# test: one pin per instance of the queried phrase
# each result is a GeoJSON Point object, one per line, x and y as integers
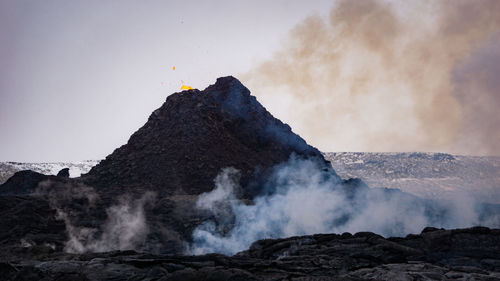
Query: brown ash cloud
{"type": "Point", "coordinates": [390, 76]}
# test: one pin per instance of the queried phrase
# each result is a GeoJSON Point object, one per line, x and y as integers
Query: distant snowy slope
{"type": "Point", "coordinates": [7, 169]}
{"type": "Point", "coordinates": [428, 175]}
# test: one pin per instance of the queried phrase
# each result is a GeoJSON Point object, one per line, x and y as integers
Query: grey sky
{"type": "Point", "coordinates": [78, 77]}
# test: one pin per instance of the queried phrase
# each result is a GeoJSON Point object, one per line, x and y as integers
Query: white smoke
{"type": "Point", "coordinates": [303, 199]}
{"type": "Point", "coordinates": [62, 193]}
{"type": "Point", "coordinates": [223, 193]}
{"type": "Point", "coordinates": [125, 228]}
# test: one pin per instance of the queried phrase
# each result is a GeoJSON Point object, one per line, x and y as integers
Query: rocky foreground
{"type": "Point", "coordinates": [435, 254]}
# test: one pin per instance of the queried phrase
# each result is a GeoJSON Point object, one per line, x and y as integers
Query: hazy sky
{"type": "Point", "coordinates": [77, 78]}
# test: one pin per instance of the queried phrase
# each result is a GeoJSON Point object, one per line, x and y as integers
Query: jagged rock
{"type": "Point", "coordinates": [29, 227]}
{"type": "Point", "coordinates": [362, 256]}
{"type": "Point", "coordinates": [23, 183]}
{"type": "Point", "coordinates": [63, 173]}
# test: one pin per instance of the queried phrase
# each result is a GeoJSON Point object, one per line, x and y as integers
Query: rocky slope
{"type": "Point", "coordinates": [193, 135]}
{"type": "Point", "coordinates": [155, 179]}
{"type": "Point", "coordinates": [462, 254]}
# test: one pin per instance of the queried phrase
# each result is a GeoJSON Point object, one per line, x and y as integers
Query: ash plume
{"type": "Point", "coordinates": [390, 76]}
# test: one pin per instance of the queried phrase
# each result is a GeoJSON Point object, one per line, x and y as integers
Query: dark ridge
{"type": "Point", "coordinates": [188, 140]}
{"type": "Point", "coordinates": [23, 183]}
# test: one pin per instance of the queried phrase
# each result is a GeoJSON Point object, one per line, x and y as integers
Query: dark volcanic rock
{"type": "Point", "coordinates": [462, 254]}
{"type": "Point", "coordinates": [29, 222]}
{"type": "Point", "coordinates": [63, 173]}
{"type": "Point", "coordinates": [23, 183]}
{"type": "Point", "coordinates": [193, 135]}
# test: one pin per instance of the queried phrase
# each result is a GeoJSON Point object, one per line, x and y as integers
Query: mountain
{"type": "Point", "coordinates": [188, 140]}
{"type": "Point", "coordinates": [154, 180]}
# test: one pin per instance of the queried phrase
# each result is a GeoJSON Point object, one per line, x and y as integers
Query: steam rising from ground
{"type": "Point", "coordinates": [390, 76]}
{"type": "Point", "coordinates": [303, 199]}
{"type": "Point", "coordinates": [125, 227]}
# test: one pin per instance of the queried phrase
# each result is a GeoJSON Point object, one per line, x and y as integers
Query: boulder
{"type": "Point", "coordinates": [64, 173]}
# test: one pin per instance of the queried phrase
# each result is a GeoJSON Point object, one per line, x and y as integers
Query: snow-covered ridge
{"type": "Point", "coordinates": [7, 169]}
{"type": "Point", "coordinates": [427, 175]}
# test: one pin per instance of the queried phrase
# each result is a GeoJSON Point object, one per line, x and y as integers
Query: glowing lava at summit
{"type": "Point", "coordinates": [184, 87]}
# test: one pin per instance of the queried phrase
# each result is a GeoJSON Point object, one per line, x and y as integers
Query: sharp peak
{"type": "Point", "coordinates": [227, 92]}
{"type": "Point", "coordinates": [226, 85]}
{"type": "Point", "coordinates": [229, 84]}
{"type": "Point", "coordinates": [225, 80]}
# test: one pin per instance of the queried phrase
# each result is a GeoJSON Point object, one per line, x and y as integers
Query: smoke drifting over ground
{"type": "Point", "coordinates": [300, 198]}
{"type": "Point", "coordinates": [125, 227]}
{"type": "Point", "coordinates": [382, 76]}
